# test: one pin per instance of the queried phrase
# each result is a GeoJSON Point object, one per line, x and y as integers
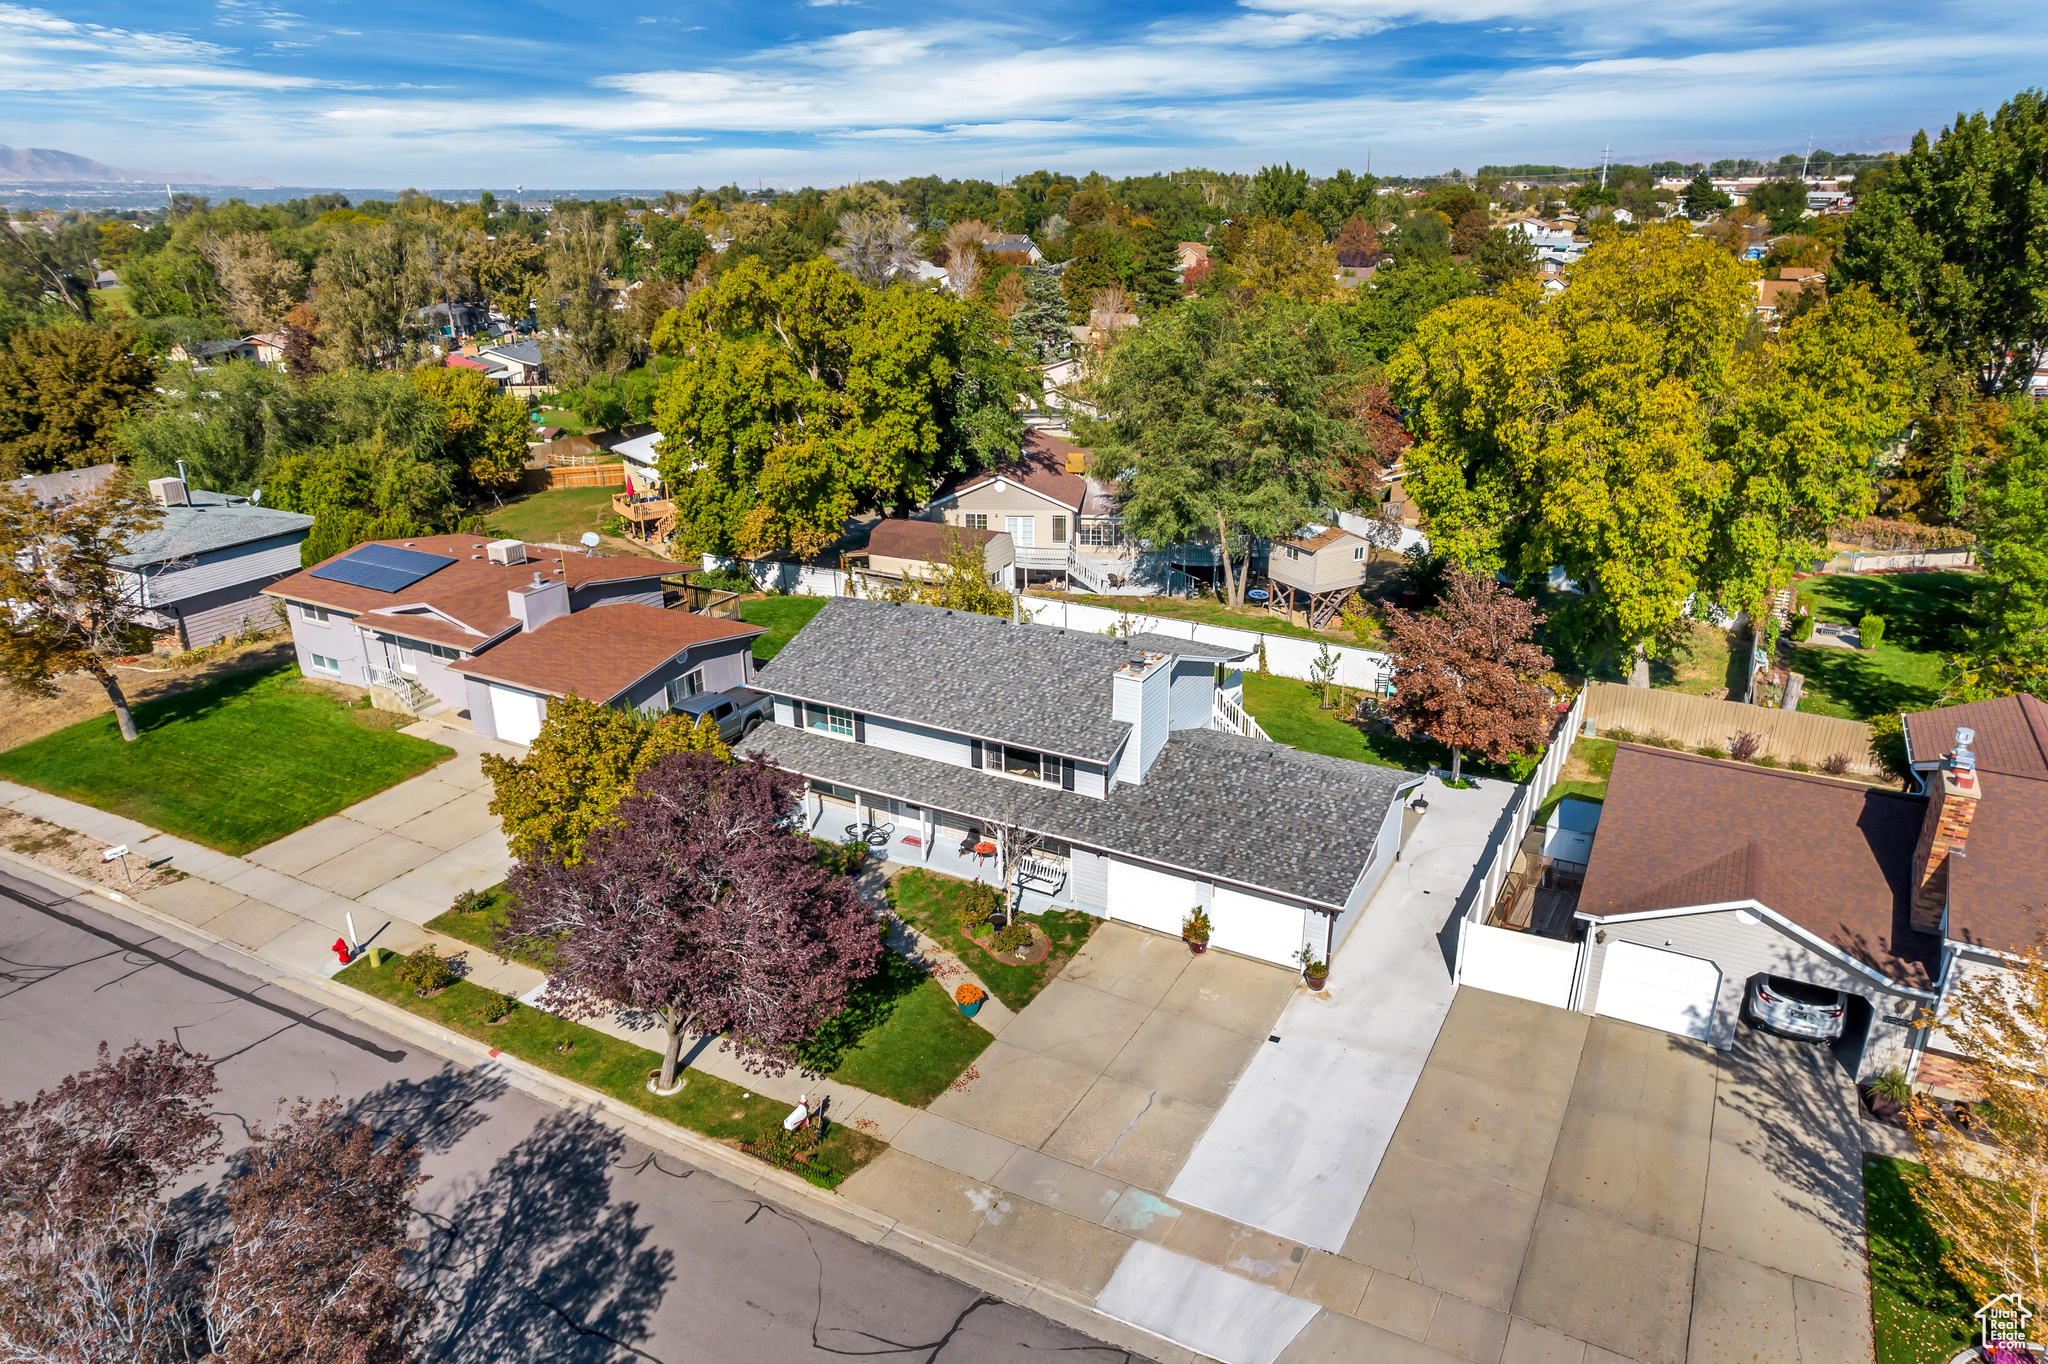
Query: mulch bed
{"type": "Point", "coordinates": [1030, 955]}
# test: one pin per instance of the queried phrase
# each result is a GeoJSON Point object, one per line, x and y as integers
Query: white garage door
{"type": "Point", "coordinates": [517, 714]}
{"type": "Point", "coordinates": [1257, 926]}
{"type": "Point", "coordinates": [1659, 989]}
{"type": "Point", "coordinates": [1149, 897]}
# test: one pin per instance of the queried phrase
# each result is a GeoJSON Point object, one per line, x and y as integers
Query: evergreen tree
{"type": "Point", "coordinates": [1099, 261]}
{"type": "Point", "coordinates": [1040, 326]}
{"type": "Point", "coordinates": [1156, 278]}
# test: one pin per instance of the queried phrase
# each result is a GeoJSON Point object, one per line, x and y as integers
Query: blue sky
{"type": "Point", "coordinates": [657, 93]}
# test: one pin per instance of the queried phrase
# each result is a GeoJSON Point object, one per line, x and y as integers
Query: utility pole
{"type": "Point", "coordinates": [1807, 159]}
{"type": "Point", "coordinates": [1604, 152]}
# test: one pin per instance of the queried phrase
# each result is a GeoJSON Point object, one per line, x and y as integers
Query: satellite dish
{"type": "Point", "coordinates": [589, 541]}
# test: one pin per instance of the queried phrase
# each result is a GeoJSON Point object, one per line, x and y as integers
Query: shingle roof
{"type": "Point", "coordinates": [1041, 466]}
{"type": "Point", "coordinates": [65, 484]}
{"type": "Point", "coordinates": [600, 652]}
{"type": "Point", "coordinates": [214, 522]}
{"type": "Point", "coordinates": [1998, 886]}
{"type": "Point", "coordinates": [525, 352]}
{"type": "Point", "coordinates": [930, 540]}
{"type": "Point", "coordinates": [1295, 823]}
{"type": "Point", "coordinates": [1837, 859]}
{"type": "Point", "coordinates": [2012, 733]}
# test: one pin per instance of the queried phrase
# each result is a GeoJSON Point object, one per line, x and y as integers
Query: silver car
{"type": "Point", "coordinates": [1796, 1009]}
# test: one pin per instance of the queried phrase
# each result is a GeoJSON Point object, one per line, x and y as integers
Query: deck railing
{"type": "Point", "coordinates": [1225, 714]}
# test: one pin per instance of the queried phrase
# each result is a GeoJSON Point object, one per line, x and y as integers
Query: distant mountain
{"type": "Point", "coordinates": [40, 165]}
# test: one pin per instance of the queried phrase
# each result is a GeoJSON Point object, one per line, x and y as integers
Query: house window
{"type": "Point", "coordinates": [316, 614]}
{"type": "Point", "coordinates": [974, 520]}
{"type": "Point", "coordinates": [832, 720]}
{"type": "Point", "coordinates": [1293, 553]}
{"type": "Point", "coordinates": [1100, 534]}
{"type": "Point", "coordinates": [681, 689]}
{"type": "Point", "coordinates": [326, 664]}
{"type": "Point", "coordinates": [1022, 762]}
{"type": "Point", "coordinates": [1059, 530]}
{"type": "Point", "coordinates": [1023, 530]}
{"type": "Point", "coordinates": [831, 792]}
{"type": "Point", "coordinates": [441, 651]}
{"type": "Point", "coordinates": [1358, 552]}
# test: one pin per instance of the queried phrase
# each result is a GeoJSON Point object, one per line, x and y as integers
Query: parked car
{"type": "Point", "coordinates": [738, 712]}
{"type": "Point", "coordinates": [1796, 1009]}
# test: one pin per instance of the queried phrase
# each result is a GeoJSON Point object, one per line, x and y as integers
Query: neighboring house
{"type": "Point", "coordinates": [457, 319]}
{"type": "Point", "coordinates": [1015, 243]}
{"type": "Point", "coordinates": [924, 549]}
{"type": "Point", "coordinates": [632, 655]}
{"type": "Point", "coordinates": [642, 458]}
{"type": "Point", "coordinates": [215, 352]}
{"type": "Point", "coordinates": [202, 573]}
{"type": "Point", "coordinates": [395, 615]}
{"type": "Point", "coordinates": [1556, 241]}
{"type": "Point", "coordinates": [1773, 294]}
{"type": "Point", "coordinates": [1049, 508]}
{"type": "Point", "coordinates": [1188, 255]}
{"type": "Point", "coordinates": [515, 364]}
{"type": "Point", "coordinates": [66, 485]}
{"type": "Point", "coordinates": [1115, 767]}
{"type": "Point", "coordinates": [1705, 874]}
{"type": "Point", "coordinates": [106, 279]}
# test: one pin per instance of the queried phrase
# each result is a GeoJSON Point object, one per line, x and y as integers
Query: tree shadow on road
{"type": "Point", "coordinates": [436, 1112]}
{"type": "Point", "coordinates": [534, 1260]}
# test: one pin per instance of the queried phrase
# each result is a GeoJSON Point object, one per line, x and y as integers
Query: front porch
{"type": "Point", "coordinates": [940, 840]}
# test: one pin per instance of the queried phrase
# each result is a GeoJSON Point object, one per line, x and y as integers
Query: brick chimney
{"type": "Point", "coordinates": [1946, 830]}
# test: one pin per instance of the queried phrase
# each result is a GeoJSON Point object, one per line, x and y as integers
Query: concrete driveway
{"type": "Point", "coordinates": [1600, 1191]}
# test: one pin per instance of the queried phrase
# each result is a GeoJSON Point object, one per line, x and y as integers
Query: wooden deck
{"type": "Point", "coordinates": [646, 518]}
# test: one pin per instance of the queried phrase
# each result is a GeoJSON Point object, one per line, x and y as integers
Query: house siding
{"type": "Point", "coordinates": [337, 638]}
{"type": "Point", "coordinates": [1743, 951]}
{"type": "Point", "coordinates": [1384, 850]}
{"type": "Point", "coordinates": [1090, 873]}
{"type": "Point", "coordinates": [899, 736]}
{"type": "Point", "coordinates": [212, 616]}
{"type": "Point", "coordinates": [725, 665]}
{"type": "Point", "coordinates": [785, 712]}
{"type": "Point", "coordinates": [1194, 683]}
{"type": "Point", "coordinates": [260, 563]}
{"type": "Point", "coordinates": [1000, 504]}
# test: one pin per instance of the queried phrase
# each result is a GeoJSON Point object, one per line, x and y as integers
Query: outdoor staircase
{"type": "Point", "coordinates": [395, 691]}
{"type": "Point", "coordinates": [1226, 715]}
{"type": "Point", "coordinates": [1083, 570]}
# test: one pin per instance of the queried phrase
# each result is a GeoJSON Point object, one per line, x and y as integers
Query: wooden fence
{"type": "Point", "coordinates": [586, 475]}
{"type": "Point", "coordinates": [1697, 722]}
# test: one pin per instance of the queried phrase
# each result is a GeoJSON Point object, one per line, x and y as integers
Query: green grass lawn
{"type": "Point", "coordinates": [1585, 775]}
{"type": "Point", "coordinates": [931, 903]}
{"type": "Point", "coordinates": [783, 616]}
{"type": "Point", "coordinates": [559, 416]}
{"type": "Point", "coordinates": [558, 516]}
{"type": "Point", "coordinates": [707, 1104]}
{"type": "Point", "coordinates": [900, 1034]}
{"type": "Point", "coordinates": [1919, 1313]}
{"type": "Point", "coordinates": [234, 766]}
{"type": "Point", "coordinates": [1924, 615]}
{"type": "Point", "coordinates": [1209, 611]}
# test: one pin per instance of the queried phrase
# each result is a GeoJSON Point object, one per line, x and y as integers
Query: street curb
{"type": "Point", "coordinates": [789, 1191]}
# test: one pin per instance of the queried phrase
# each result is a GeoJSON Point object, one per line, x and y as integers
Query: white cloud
{"type": "Point", "coordinates": [41, 51]}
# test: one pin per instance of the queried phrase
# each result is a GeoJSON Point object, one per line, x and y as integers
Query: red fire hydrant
{"type": "Point", "coordinates": [341, 950]}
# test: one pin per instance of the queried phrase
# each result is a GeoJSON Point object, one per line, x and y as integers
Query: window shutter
{"type": "Point", "coordinates": [860, 728]}
{"type": "Point", "coordinates": [1066, 774]}
{"type": "Point", "coordinates": [974, 753]}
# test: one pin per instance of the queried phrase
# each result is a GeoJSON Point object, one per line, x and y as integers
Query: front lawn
{"type": "Point", "coordinates": [931, 903]}
{"type": "Point", "coordinates": [1924, 616]}
{"type": "Point", "coordinates": [783, 616]}
{"type": "Point", "coordinates": [718, 1109]}
{"type": "Point", "coordinates": [234, 766]}
{"type": "Point", "coordinates": [900, 1034]}
{"type": "Point", "coordinates": [1918, 1312]}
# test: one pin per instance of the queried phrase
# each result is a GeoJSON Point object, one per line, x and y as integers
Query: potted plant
{"type": "Point", "coordinates": [1316, 973]}
{"type": "Point", "coordinates": [1194, 931]}
{"type": "Point", "coordinates": [1888, 1096]}
{"type": "Point", "coordinates": [970, 998]}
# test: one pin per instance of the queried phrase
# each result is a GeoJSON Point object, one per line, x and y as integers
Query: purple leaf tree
{"type": "Point", "coordinates": [702, 906]}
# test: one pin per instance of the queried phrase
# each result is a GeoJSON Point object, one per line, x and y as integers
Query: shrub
{"type": "Point", "coordinates": [613, 524]}
{"type": "Point", "coordinates": [1195, 927]}
{"type": "Point", "coordinates": [470, 902]}
{"type": "Point", "coordinates": [425, 972]}
{"type": "Point", "coordinates": [1015, 937]}
{"type": "Point", "coordinates": [1798, 765]}
{"type": "Point", "coordinates": [1835, 764]}
{"type": "Point", "coordinates": [1802, 629]}
{"type": "Point", "coordinates": [979, 903]}
{"type": "Point", "coordinates": [723, 580]}
{"type": "Point", "coordinates": [496, 1007]}
{"type": "Point", "coordinates": [841, 859]}
{"type": "Point", "coordinates": [1623, 736]}
{"type": "Point", "coordinates": [1870, 630]}
{"type": "Point", "coordinates": [1744, 745]}
{"type": "Point", "coordinates": [1712, 751]}
{"type": "Point", "coordinates": [1893, 1085]}
{"type": "Point", "coordinates": [1888, 746]}
{"type": "Point", "coordinates": [1766, 761]}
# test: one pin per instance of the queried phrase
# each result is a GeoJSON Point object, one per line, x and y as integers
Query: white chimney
{"type": "Point", "coordinates": [168, 492]}
{"type": "Point", "coordinates": [506, 551]}
{"type": "Point", "coordinates": [1138, 697]}
{"type": "Point", "coordinates": [537, 603]}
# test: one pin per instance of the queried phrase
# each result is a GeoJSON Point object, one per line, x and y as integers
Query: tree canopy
{"type": "Point", "coordinates": [62, 391]}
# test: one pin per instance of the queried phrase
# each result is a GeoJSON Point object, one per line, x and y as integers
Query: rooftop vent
{"type": "Point", "coordinates": [1963, 759]}
{"type": "Point", "coordinates": [507, 551]}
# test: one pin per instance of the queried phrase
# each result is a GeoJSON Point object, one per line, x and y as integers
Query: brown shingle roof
{"type": "Point", "coordinates": [1041, 467]}
{"type": "Point", "coordinates": [1322, 539]}
{"type": "Point", "coordinates": [1834, 858]}
{"type": "Point", "coordinates": [2012, 733]}
{"type": "Point", "coordinates": [929, 540]}
{"type": "Point", "coordinates": [471, 590]}
{"type": "Point", "coordinates": [600, 652]}
{"type": "Point", "coordinates": [1998, 886]}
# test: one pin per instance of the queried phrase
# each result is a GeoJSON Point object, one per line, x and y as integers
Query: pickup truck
{"type": "Point", "coordinates": [738, 712]}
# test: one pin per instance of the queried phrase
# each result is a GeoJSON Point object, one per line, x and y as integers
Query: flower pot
{"type": "Point", "coordinates": [970, 1010]}
{"type": "Point", "coordinates": [1316, 982]}
{"type": "Point", "coordinates": [1197, 948]}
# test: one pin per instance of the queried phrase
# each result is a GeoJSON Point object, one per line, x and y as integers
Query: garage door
{"type": "Point", "coordinates": [1149, 897]}
{"type": "Point", "coordinates": [1659, 989]}
{"type": "Point", "coordinates": [517, 714]}
{"type": "Point", "coordinates": [1256, 926]}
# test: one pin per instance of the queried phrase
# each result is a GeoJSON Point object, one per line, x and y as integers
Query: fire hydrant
{"type": "Point", "coordinates": [341, 950]}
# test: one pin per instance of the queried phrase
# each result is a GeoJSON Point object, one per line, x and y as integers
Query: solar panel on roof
{"type": "Point", "coordinates": [382, 568]}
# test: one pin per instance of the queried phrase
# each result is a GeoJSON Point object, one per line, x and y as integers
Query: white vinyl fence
{"type": "Point", "coordinates": [1364, 669]}
{"type": "Point", "coordinates": [1500, 959]}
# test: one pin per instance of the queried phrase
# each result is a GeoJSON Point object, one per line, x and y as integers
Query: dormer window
{"type": "Point", "coordinates": [831, 720]}
{"type": "Point", "coordinates": [1022, 762]}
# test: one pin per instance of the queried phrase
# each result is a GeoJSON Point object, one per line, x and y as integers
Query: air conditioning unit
{"type": "Point", "coordinates": [168, 492]}
{"type": "Point", "coordinates": [507, 551]}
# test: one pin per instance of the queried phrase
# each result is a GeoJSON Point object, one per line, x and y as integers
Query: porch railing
{"type": "Point", "coordinates": [1225, 714]}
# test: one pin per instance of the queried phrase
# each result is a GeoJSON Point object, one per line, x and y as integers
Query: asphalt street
{"type": "Point", "coordinates": [546, 1235]}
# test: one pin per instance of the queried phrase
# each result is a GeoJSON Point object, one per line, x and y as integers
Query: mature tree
{"type": "Point", "coordinates": [965, 256]}
{"type": "Point", "coordinates": [1701, 200]}
{"type": "Point", "coordinates": [1382, 318]}
{"type": "Point", "coordinates": [1040, 327]}
{"type": "Point", "coordinates": [2008, 651]}
{"type": "Point", "coordinates": [511, 271]}
{"type": "Point", "coordinates": [1224, 420]}
{"type": "Point", "coordinates": [1469, 232]}
{"type": "Point", "coordinates": [1278, 191]}
{"type": "Point", "coordinates": [485, 435]}
{"type": "Point", "coordinates": [700, 905]}
{"type": "Point", "coordinates": [581, 765]}
{"type": "Point", "coordinates": [1155, 270]}
{"type": "Point", "coordinates": [1357, 242]}
{"type": "Point", "coordinates": [1342, 198]}
{"type": "Point", "coordinates": [1782, 202]}
{"type": "Point", "coordinates": [317, 1236]}
{"type": "Point", "coordinates": [1423, 238]}
{"type": "Point", "coordinates": [70, 609]}
{"type": "Point", "coordinates": [1358, 468]}
{"type": "Point", "coordinates": [368, 289]}
{"type": "Point", "coordinates": [1100, 260]}
{"type": "Point", "coordinates": [1504, 255]}
{"type": "Point", "coordinates": [1289, 259]}
{"type": "Point", "coordinates": [675, 247]}
{"type": "Point", "coordinates": [261, 285]}
{"type": "Point", "coordinates": [1632, 433]}
{"type": "Point", "coordinates": [1952, 237]}
{"type": "Point", "coordinates": [1984, 1188]}
{"type": "Point", "coordinates": [1469, 673]}
{"type": "Point", "coordinates": [798, 400]}
{"type": "Point", "coordinates": [873, 247]}
{"type": "Point", "coordinates": [584, 335]}
{"type": "Point", "coordinates": [62, 391]}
